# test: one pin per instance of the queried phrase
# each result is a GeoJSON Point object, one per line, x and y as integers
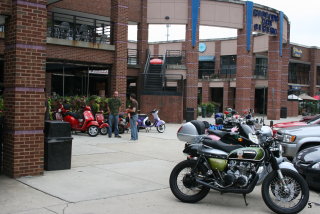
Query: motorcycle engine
{"type": "Point", "coordinates": [239, 173]}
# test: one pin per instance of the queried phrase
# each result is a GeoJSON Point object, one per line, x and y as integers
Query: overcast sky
{"type": "Point", "coordinates": [304, 17]}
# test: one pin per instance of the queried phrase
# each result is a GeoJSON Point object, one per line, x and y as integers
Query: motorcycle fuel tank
{"type": "Point", "coordinates": [247, 153]}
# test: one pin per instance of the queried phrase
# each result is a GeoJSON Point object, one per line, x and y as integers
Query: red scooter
{"type": "Point", "coordinates": [122, 124]}
{"type": "Point", "coordinates": [87, 123]}
{"type": "Point", "coordinates": [100, 119]}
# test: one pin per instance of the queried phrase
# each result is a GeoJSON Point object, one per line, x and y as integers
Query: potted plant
{"type": "Point", "coordinates": [210, 109]}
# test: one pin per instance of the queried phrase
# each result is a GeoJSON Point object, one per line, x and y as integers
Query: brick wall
{"type": "Point", "coordinates": [135, 9]}
{"type": "Point", "coordinates": [245, 88]}
{"type": "Point", "coordinates": [274, 79]}
{"type": "Point", "coordinates": [217, 56]}
{"type": "Point", "coordinates": [119, 15]}
{"type": "Point", "coordinates": [228, 96]}
{"type": "Point", "coordinates": [313, 72]}
{"type": "Point", "coordinates": [2, 46]}
{"type": "Point", "coordinates": [165, 104]}
{"type": "Point", "coordinates": [142, 44]}
{"type": "Point", "coordinates": [79, 54]}
{"type": "Point", "coordinates": [192, 57]}
{"type": "Point", "coordinates": [98, 7]}
{"type": "Point", "coordinates": [24, 82]}
{"type": "Point", "coordinates": [5, 7]}
{"type": "Point", "coordinates": [285, 71]}
{"type": "Point", "coordinates": [206, 91]}
{"type": "Point", "coordinates": [293, 108]}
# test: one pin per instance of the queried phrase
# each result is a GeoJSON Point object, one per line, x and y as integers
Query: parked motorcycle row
{"type": "Point", "coordinates": [233, 156]}
{"type": "Point", "coordinates": [96, 124]}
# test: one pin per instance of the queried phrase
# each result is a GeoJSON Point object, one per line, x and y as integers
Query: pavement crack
{"type": "Point", "coordinates": [43, 192]}
{"type": "Point", "coordinates": [50, 210]}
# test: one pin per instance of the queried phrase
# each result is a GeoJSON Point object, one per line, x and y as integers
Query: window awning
{"type": "Point", "coordinates": [206, 58]}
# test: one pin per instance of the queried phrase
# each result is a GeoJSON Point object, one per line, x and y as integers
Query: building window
{"type": "Point", "coordinates": [206, 69]}
{"type": "Point", "coordinates": [228, 64]}
{"type": "Point", "coordinates": [261, 67]}
{"type": "Point", "coordinates": [299, 73]}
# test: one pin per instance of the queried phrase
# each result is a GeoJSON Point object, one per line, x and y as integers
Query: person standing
{"type": "Point", "coordinates": [133, 117]}
{"type": "Point", "coordinates": [114, 104]}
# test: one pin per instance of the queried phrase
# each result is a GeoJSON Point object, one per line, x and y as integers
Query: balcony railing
{"type": "Point", "coordinates": [133, 57]}
{"type": "Point", "coordinates": [261, 71]}
{"type": "Point", "coordinates": [172, 84]}
{"type": "Point", "coordinates": [206, 73]}
{"type": "Point", "coordinates": [77, 28]}
{"type": "Point", "coordinates": [303, 80]}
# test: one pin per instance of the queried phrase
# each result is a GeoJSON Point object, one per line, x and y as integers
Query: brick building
{"type": "Point", "coordinates": [72, 47]}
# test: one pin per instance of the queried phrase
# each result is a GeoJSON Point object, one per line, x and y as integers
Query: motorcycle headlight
{"type": "Point", "coordinates": [253, 138]}
{"type": "Point", "coordinates": [289, 138]}
{"type": "Point", "coordinates": [316, 166]}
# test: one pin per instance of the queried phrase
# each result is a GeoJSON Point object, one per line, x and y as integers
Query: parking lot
{"type": "Point", "coordinates": [111, 175]}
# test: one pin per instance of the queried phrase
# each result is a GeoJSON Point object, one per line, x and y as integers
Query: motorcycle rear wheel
{"type": "Point", "coordinates": [161, 128]}
{"type": "Point", "coordinates": [121, 129]}
{"type": "Point", "coordinates": [93, 131]}
{"type": "Point", "coordinates": [183, 184]}
{"type": "Point", "coordinates": [281, 201]}
{"type": "Point", "coordinates": [104, 130]}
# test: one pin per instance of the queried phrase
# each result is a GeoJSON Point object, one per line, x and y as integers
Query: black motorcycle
{"type": "Point", "coordinates": [233, 169]}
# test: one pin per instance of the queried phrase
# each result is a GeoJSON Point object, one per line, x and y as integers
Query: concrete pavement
{"type": "Point", "coordinates": [111, 175]}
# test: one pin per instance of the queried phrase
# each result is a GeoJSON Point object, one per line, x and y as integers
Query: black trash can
{"type": "Point", "coordinates": [283, 112]}
{"type": "Point", "coordinates": [57, 145]}
{"type": "Point", "coordinates": [189, 114]}
{"type": "Point", "coordinates": [203, 111]}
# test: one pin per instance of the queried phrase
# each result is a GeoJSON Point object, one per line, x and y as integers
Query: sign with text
{"type": "Point", "coordinates": [296, 52]}
{"type": "Point", "coordinates": [265, 22]}
{"type": "Point", "coordinates": [103, 72]}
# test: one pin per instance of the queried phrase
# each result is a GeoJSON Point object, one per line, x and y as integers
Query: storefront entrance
{"type": "Point", "coordinates": [70, 79]}
{"type": "Point", "coordinates": [260, 100]}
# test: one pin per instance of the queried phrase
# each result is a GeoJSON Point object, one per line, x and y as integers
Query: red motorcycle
{"type": "Point", "coordinates": [86, 123]}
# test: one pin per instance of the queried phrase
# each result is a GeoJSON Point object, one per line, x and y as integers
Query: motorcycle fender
{"type": "Point", "coordinates": [92, 123]}
{"type": "Point", "coordinates": [160, 122]}
{"type": "Point", "coordinates": [287, 165]}
{"type": "Point", "coordinates": [192, 149]}
{"type": "Point", "coordinates": [103, 125]}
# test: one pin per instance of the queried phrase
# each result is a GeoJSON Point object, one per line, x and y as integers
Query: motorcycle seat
{"type": "Point", "coordinates": [220, 145]}
{"type": "Point", "coordinates": [75, 115]}
{"type": "Point", "coordinates": [218, 133]}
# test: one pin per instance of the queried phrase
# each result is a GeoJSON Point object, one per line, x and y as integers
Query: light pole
{"type": "Point", "coordinates": [168, 25]}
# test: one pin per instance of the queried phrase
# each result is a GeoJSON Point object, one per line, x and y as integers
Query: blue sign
{"type": "Point", "coordinates": [202, 47]}
{"type": "Point", "coordinates": [267, 20]}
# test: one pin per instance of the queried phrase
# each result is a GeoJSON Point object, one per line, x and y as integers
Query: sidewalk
{"type": "Point", "coordinates": [111, 175]}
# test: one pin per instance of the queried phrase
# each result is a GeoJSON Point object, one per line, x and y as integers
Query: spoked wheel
{"type": "Point", "coordinates": [291, 198]}
{"type": "Point", "coordinates": [161, 128]}
{"type": "Point", "coordinates": [93, 131]}
{"type": "Point", "coordinates": [183, 183]}
{"type": "Point", "coordinates": [104, 130]}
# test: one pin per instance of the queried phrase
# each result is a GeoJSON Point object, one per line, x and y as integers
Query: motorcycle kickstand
{"type": "Point", "coordinates": [245, 199]}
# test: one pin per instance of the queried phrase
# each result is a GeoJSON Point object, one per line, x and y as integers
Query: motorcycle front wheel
{"type": "Point", "coordinates": [93, 131]}
{"type": "Point", "coordinates": [183, 183]}
{"type": "Point", "coordinates": [290, 199]}
{"type": "Point", "coordinates": [161, 128]}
